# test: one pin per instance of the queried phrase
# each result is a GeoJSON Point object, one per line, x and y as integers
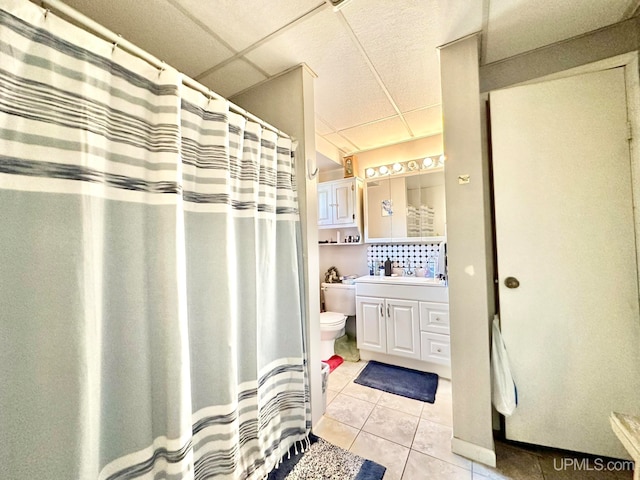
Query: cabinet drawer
{"type": "Point", "coordinates": [435, 348]}
{"type": "Point", "coordinates": [434, 317]}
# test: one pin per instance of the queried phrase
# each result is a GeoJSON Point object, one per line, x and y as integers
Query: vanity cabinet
{"type": "Point", "coordinates": [388, 325]}
{"type": "Point", "coordinates": [403, 317]}
{"type": "Point", "coordinates": [339, 203]}
{"type": "Point", "coordinates": [405, 208]}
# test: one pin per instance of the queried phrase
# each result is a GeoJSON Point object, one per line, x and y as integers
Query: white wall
{"type": "Point", "coordinates": [287, 103]}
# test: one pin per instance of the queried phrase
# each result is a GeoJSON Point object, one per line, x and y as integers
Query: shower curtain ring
{"type": "Point", "coordinates": [115, 44]}
{"type": "Point", "coordinates": [46, 13]}
{"type": "Point", "coordinates": [209, 96]}
{"type": "Point", "coordinates": [162, 68]}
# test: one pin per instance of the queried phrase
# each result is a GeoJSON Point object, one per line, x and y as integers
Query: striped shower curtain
{"type": "Point", "coordinates": [151, 323]}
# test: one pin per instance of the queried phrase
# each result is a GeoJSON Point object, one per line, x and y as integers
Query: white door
{"type": "Point", "coordinates": [403, 328]}
{"type": "Point", "coordinates": [565, 231]}
{"type": "Point", "coordinates": [370, 324]}
{"type": "Point", "coordinates": [324, 204]}
{"type": "Point", "coordinates": [343, 195]}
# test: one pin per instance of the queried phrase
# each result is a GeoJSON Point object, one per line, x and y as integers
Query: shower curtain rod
{"type": "Point", "coordinates": [120, 42]}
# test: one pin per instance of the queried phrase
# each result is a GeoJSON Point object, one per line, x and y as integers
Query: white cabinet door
{"type": "Point", "coordinates": [370, 324]}
{"type": "Point", "coordinates": [325, 216]}
{"type": "Point", "coordinates": [565, 229]}
{"type": "Point", "coordinates": [403, 328]}
{"type": "Point", "coordinates": [343, 196]}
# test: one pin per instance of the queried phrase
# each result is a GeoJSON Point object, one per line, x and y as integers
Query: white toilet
{"type": "Point", "coordinates": [339, 302]}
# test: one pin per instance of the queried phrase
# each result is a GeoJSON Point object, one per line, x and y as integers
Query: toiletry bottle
{"type": "Point", "coordinates": [370, 268]}
{"type": "Point", "coordinates": [387, 267]}
{"type": "Point", "coordinates": [381, 269]}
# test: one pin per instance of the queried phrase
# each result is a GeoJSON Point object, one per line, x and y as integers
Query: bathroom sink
{"type": "Point", "coordinates": [400, 280]}
{"type": "Point", "coordinates": [408, 288]}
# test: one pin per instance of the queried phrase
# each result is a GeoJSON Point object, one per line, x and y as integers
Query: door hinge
{"type": "Point", "coordinates": [352, 187]}
{"type": "Point", "coordinates": [629, 131]}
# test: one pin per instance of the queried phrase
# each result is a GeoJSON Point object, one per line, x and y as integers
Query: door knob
{"type": "Point", "coordinates": [511, 282]}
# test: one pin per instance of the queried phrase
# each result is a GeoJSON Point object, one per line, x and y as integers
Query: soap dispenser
{"type": "Point", "coordinates": [387, 268]}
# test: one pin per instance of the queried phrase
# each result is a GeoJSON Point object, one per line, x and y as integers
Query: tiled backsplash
{"type": "Point", "coordinates": [403, 255]}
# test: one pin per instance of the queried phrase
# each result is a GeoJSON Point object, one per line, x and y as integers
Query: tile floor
{"type": "Point", "coordinates": [412, 439]}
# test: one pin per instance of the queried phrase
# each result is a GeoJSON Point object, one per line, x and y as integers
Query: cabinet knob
{"type": "Point", "coordinates": [439, 350]}
{"type": "Point", "coordinates": [437, 319]}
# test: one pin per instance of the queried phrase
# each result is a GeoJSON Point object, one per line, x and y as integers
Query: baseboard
{"type": "Point", "coordinates": [473, 452]}
{"type": "Point", "coordinates": [441, 370]}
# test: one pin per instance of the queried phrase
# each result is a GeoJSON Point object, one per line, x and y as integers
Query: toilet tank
{"type": "Point", "coordinates": [339, 298]}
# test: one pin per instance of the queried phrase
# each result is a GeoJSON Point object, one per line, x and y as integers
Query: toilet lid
{"type": "Point", "coordinates": [331, 318]}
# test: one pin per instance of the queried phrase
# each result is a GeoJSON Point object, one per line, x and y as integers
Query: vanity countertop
{"type": "Point", "coordinates": [400, 280]}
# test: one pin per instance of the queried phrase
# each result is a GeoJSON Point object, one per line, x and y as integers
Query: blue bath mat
{"type": "Point", "coordinates": [400, 381]}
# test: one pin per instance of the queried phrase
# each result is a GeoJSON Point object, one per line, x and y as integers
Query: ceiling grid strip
{"type": "Point", "coordinates": [241, 54]}
{"type": "Point", "coordinates": [375, 73]}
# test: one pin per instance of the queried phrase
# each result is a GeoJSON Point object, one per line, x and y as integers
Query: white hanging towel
{"type": "Point", "coordinates": [442, 259]}
{"type": "Point", "coordinates": [504, 392]}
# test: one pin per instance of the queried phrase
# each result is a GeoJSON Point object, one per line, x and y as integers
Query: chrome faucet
{"type": "Point", "coordinates": [409, 271]}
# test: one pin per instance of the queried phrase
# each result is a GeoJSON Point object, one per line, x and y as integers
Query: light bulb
{"type": "Point", "coordinates": [397, 167]}
{"type": "Point", "coordinates": [383, 170]}
{"type": "Point", "coordinates": [442, 159]}
{"type": "Point", "coordinates": [371, 172]}
{"type": "Point", "coordinates": [427, 162]}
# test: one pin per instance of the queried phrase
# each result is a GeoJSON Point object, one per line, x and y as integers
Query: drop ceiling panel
{"type": "Point", "coordinates": [232, 78]}
{"type": "Point", "coordinates": [346, 92]}
{"type": "Point", "coordinates": [401, 41]}
{"type": "Point", "coordinates": [376, 134]}
{"type": "Point", "coordinates": [426, 121]}
{"type": "Point", "coordinates": [341, 142]}
{"type": "Point", "coordinates": [321, 127]}
{"type": "Point", "coordinates": [516, 26]}
{"type": "Point", "coordinates": [159, 28]}
{"type": "Point", "coordinates": [243, 23]}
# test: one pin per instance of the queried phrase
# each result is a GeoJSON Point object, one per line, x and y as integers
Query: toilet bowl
{"type": "Point", "coordinates": [331, 327]}
{"type": "Point", "coordinates": [340, 302]}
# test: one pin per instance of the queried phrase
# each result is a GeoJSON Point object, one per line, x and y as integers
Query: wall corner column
{"type": "Point", "coordinates": [470, 247]}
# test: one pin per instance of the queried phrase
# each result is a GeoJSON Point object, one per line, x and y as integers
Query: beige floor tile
{"type": "Point", "coordinates": [513, 464]}
{"type": "Point", "coordinates": [435, 439]}
{"type": "Point", "coordinates": [349, 410]}
{"type": "Point", "coordinates": [440, 411]}
{"type": "Point", "coordinates": [404, 404]}
{"type": "Point", "coordinates": [392, 425]}
{"type": "Point", "coordinates": [363, 393]}
{"type": "Point", "coordinates": [336, 432]}
{"type": "Point", "coordinates": [444, 386]}
{"type": "Point", "coordinates": [422, 467]}
{"type": "Point", "coordinates": [352, 369]}
{"type": "Point", "coordinates": [338, 380]}
{"type": "Point", "coordinates": [384, 452]}
{"type": "Point", "coordinates": [331, 394]}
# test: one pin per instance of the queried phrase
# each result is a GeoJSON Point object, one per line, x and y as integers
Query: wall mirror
{"type": "Point", "coordinates": [405, 208]}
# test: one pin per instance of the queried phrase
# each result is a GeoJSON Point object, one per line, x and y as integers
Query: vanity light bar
{"type": "Point", "coordinates": [408, 166]}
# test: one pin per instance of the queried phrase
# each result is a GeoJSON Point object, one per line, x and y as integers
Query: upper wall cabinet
{"type": "Point", "coordinates": [409, 208]}
{"type": "Point", "coordinates": [339, 203]}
